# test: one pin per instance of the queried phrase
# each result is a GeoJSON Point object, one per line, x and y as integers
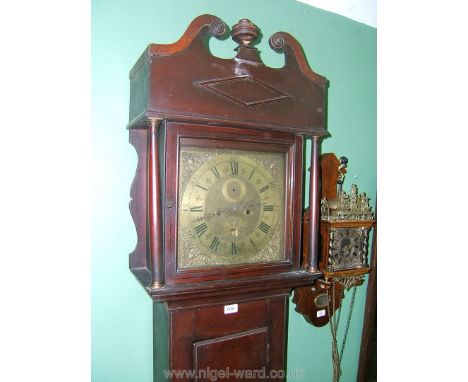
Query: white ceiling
{"type": "Point", "coordinates": [364, 11]}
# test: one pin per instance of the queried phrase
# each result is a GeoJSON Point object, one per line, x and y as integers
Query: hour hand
{"type": "Point", "coordinates": [249, 205]}
{"type": "Point", "coordinates": [232, 208]}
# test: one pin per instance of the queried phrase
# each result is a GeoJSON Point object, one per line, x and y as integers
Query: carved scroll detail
{"type": "Point", "coordinates": [218, 28]}
{"type": "Point", "coordinates": [284, 42]}
{"type": "Point", "coordinates": [277, 42]}
{"type": "Point", "coordinates": [201, 28]}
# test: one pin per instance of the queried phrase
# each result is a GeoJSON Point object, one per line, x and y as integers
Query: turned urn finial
{"type": "Point", "coordinates": [245, 33]}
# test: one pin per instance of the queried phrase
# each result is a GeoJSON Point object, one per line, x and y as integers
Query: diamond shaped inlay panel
{"type": "Point", "coordinates": [244, 90]}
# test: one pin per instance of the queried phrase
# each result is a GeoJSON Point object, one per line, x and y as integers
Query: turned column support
{"type": "Point", "coordinates": [314, 207]}
{"type": "Point", "coordinates": [154, 206]}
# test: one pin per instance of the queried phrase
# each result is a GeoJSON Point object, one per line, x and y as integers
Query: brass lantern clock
{"type": "Point", "coordinates": [345, 224]}
{"type": "Point", "coordinates": [345, 234]}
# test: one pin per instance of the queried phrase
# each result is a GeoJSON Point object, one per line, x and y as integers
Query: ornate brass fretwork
{"type": "Point", "coordinates": [347, 207]}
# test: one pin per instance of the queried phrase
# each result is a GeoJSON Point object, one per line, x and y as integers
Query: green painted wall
{"type": "Point", "coordinates": [342, 50]}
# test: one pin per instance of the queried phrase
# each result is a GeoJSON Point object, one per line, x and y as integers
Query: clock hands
{"type": "Point", "coordinates": [248, 207]}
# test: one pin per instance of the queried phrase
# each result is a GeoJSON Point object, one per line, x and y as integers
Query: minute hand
{"type": "Point", "coordinates": [235, 207]}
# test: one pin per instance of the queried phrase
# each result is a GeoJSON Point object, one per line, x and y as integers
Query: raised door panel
{"type": "Point", "coordinates": [236, 357]}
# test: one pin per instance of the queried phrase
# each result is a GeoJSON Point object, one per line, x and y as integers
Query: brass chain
{"type": "Point", "coordinates": [348, 321]}
{"type": "Point", "coordinates": [333, 327]}
{"type": "Point", "coordinates": [334, 322]}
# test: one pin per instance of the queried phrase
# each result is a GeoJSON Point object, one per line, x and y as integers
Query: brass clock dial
{"type": "Point", "coordinates": [346, 248]}
{"type": "Point", "coordinates": [231, 207]}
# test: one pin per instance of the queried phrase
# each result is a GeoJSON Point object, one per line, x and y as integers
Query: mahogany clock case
{"type": "Point", "coordinates": [183, 98]}
{"type": "Point", "coordinates": [181, 93]}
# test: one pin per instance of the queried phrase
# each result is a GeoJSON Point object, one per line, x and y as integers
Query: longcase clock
{"type": "Point", "coordinates": [217, 196]}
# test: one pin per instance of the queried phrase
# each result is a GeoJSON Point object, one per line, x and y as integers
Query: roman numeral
{"type": "Point", "coordinates": [215, 171]}
{"type": "Point", "coordinates": [235, 168]}
{"type": "Point", "coordinates": [196, 209]}
{"type": "Point", "coordinates": [252, 243]}
{"type": "Point", "coordinates": [214, 244]}
{"type": "Point", "coordinates": [264, 227]}
{"type": "Point", "coordinates": [263, 189]}
{"type": "Point", "coordinates": [203, 188]}
{"type": "Point", "coordinates": [233, 248]}
{"type": "Point", "coordinates": [268, 207]}
{"type": "Point", "coordinates": [251, 174]}
{"type": "Point", "coordinates": [201, 229]}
